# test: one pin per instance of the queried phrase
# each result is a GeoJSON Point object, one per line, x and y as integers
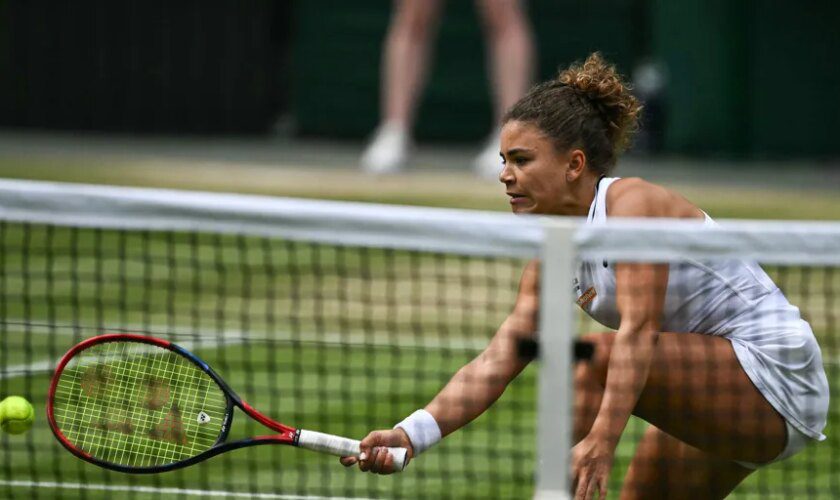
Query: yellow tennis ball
{"type": "Point", "coordinates": [16, 415]}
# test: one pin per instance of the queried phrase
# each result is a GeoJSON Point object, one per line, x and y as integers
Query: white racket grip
{"type": "Point", "coordinates": [344, 447]}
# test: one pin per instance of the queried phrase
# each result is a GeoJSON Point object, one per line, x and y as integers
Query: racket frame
{"type": "Point", "coordinates": [285, 434]}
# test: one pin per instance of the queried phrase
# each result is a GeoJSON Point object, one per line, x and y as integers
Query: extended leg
{"type": "Point", "coordinates": [510, 50]}
{"type": "Point", "coordinates": [406, 58]}
{"type": "Point", "coordinates": [404, 65]}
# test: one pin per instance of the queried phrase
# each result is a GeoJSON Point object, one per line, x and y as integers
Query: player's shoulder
{"type": "Point", "coordinates": [636, 197]}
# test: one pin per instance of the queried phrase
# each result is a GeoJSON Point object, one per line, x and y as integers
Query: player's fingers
{"type": "Point", "coordinates": [372, 461]}
{"type": "Point", "coordinates": [602, 487]}
{"type": "Point", "coordinates": [593, 486]}
{"type": "Point", "coordinates": [348, 461]}
{"type": "Point", "coordinates": [365, 447]}
{"type": "Point", "coordinates": [582, 484]}
{"type": "Point", "coordinates": [590, 489]}
{"type": "Point", "coordinates": [366, 459]}
{"type": "Point", "coordinates": [380, 462]}
{"type": "Point", "coordinates": [387, 463]}
{"type": "Point", "coordinates": [374, 456]}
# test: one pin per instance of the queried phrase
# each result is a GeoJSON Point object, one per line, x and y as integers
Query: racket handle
{"type": "Point", "coordinates": [344, 447]}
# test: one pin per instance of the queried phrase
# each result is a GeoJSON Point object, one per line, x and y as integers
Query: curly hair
{"type": "Point", "coordinates": [588, 106]}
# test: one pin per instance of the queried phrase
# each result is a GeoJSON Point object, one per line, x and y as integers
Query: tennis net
{"type": "Point", "coordinates": [344, 318]}
{"type": "Point", "coordinates": [336, 317]}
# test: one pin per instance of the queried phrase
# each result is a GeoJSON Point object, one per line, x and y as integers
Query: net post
{"type": "Point", "coordinates": [557, 259]}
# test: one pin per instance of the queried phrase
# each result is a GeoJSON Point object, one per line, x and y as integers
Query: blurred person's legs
{"type": "Point", "coordinates": [510, 51]}
{"type": "Point", "coordinates": [405, 63]}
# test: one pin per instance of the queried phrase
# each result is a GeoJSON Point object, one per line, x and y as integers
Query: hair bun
{"type": "Point", "coordinates": [599, 83]}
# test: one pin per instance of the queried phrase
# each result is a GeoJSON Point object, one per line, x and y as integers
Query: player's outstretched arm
{"type": "Point", "coordinates": [472, 389]}
{"type": "Point", "coordinates": [482, 381]}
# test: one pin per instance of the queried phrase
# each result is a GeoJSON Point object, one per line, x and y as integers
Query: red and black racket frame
{"type": "Point", "coordinates": [286, 435]}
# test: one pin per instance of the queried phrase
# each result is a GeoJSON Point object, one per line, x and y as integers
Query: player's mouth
{"type": "Point", "coordinates": [517, 199]}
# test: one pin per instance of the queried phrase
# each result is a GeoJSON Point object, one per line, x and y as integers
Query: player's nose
{"type": "Point", "coordinates": [506, 176]}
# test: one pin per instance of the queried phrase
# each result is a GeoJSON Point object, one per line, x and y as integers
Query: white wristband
{"type": "Point", "coordinates": [422, 429]}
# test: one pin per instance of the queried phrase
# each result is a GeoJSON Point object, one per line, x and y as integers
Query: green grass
{"type": "Point", "coordinates": [321, 338]}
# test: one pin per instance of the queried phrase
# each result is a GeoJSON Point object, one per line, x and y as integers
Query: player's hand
{"type": "Point", "coordinates": [375, 457]}
{"type": "Point", "coordinates": [592, 460]}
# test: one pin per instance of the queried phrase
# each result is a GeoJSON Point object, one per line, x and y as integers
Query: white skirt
{"type": "Point", "coordinates": [780, 354]}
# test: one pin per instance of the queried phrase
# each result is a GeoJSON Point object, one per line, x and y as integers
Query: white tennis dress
{"type": "Point", "coordinates": [736, 300]}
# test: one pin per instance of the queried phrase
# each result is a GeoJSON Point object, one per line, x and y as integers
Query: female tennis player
{"type": "Point", "coordinates": [711, 355]}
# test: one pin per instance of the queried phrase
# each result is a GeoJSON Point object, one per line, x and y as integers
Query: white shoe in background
{"type": "Point", "coordinates": [488, 163]}
{"type": "Point", "coordinates": [388, 150]}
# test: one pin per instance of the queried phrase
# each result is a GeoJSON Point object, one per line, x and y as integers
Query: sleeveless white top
{"type": "Point", "coordinates": [734, 299]}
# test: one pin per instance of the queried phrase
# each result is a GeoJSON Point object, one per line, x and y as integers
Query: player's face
{"type": "Point", "coordinates": [534, 172]}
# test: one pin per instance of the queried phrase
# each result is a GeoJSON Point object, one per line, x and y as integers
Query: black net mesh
{"type": "Point", "coordinates": [330, 338]}
{"type": "Point", "coordinates": [336, 339]}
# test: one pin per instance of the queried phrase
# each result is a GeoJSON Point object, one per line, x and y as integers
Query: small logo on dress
{"type": "Point", "coordinates": [586, 297]}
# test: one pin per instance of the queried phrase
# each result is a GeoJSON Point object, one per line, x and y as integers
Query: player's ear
{"type": "Point", "coordinates": [576, 166]}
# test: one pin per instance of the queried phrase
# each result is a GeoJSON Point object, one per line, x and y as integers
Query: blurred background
{"type": "Point", "coordinates": [281, 97]}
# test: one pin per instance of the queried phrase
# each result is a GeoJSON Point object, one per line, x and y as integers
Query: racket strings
{"type": "Point", "coordinates": [138, 405]}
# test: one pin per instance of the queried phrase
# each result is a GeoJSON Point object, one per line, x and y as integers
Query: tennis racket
{"type": "Point", "coordinates": [139, 404]}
